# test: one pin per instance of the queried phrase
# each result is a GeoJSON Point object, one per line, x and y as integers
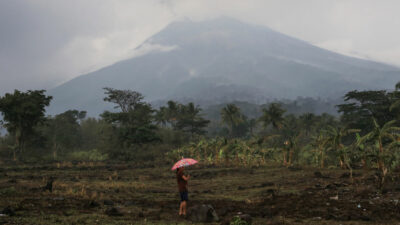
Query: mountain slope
{"type": "Point", "coordinates": [223, 60]}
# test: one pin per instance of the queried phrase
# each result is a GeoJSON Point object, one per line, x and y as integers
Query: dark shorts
{"type": "Point", "coordinates": [184, 196]}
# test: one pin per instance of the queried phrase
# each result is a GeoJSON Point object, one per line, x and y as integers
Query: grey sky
{"type": "Point", "coordinates": [46, 42]}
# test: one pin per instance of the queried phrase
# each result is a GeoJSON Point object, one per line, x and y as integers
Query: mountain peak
{"type": "Point", "coordinates": [186, 30]}
{"type": "Point", "coordinates": [223, 60]}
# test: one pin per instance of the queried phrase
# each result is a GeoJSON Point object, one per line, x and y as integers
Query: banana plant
{"type": "Point", "coordinates": [293, 147]}
{"type": "Point", "coordinates": [387, 138]}
{"type": "Point", "coordinates": [320, 144]}
{"type": "Point", "coordinates": [334, 140]}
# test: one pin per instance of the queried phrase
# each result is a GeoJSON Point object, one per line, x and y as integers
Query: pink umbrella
{"type": "Point", "coordinates": [184, 162]}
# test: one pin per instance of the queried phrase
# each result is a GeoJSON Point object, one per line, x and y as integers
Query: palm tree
{"type": "Point", "coordinates": [273, 115]}
{"type": "Point", "coordinates": [172, 112]}
{"type": "Point", "coordinates": [396, 103]}
{"type": "Point", "coordinates": [307, 120]}
{"type": "Point", "coordinates": [334, 141]}
{"type": "Point", "coordinates": [161, 116]}
{"type": "Point", "coordinates": [231, 116]}
{"type": "Point", "coordinates": [385, 137]}
{"type": "Point", "coordinates": [190, 119]}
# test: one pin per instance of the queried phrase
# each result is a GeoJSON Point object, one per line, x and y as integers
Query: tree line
{"type": "Point", "coordinates": [119, 134]}
{"type": "Point", "coordinates": [365, 134]}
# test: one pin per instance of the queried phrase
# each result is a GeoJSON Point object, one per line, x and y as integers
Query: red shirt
{"type": "Point", "coordinates": [182, 184]}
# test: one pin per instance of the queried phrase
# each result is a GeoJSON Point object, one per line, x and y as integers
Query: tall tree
{"type": "Point", "coordinates": [308, 120]}
{"type": "Point", "coordinates": [22, 111]}
{"type": "Point", "coordinates": [64, 130]}
{"type": "Point", "coordinates": [168, 115]}
{"type": "Point", "coordinates": [135, 123]}
{"type": "Point", "coordinates": [231, 116]}
{"type": "Point", "coordinates": [190, 120]}
{"type": "Point", "coordinates": [172, 112]}
{"type": "Point", "coordinates": [273, 115]}
{"type": "Point", "coordinates": [126, 100]}
{"type": "Point", "coordinates": [361, 106]}
{"type": "Point", "coordinates": [325, 120]}
{"type": "Point", "coordinates": [161, 116]}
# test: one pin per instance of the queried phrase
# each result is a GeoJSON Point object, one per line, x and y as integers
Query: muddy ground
{"type": "Point", "coordinates": [99, 193]}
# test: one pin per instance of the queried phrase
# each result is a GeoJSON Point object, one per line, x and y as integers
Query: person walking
{"type": "Point", "coordinates": [182, 180]}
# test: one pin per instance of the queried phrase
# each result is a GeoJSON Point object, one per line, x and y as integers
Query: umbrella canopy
{"type": "Point", "coordinates": [184, 162]}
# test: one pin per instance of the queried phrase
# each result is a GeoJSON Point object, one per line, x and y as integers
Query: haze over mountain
{"type": "Point", "coordinates": [223, 60]}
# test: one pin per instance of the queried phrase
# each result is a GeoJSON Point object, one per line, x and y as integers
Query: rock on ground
{"type": "Point", "coordinates": [202, 213]}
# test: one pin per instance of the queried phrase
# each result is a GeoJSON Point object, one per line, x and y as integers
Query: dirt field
{"type": "Point", "coordinates": [89, 193]}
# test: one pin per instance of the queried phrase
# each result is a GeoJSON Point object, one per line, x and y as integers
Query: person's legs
{"type": "Point", "coordinates": [181, 208]}
{"type": "Point", "coordinates": [185, 198]}
{"type": "Point", "coordinates": [182, 195]}
{"type": "Point", "coordinates": [184, 208]}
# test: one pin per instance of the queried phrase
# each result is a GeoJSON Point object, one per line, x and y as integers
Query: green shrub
{"type": "Point", "coordinates": [238, 221]}
{"type": "Point", "coordinates": [91, 155]}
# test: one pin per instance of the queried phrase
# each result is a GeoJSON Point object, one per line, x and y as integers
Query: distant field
{"type": "Point", "coordinates": [84, 193]}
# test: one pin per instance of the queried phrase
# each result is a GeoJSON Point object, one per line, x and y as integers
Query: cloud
{"type": "Point", "coordinates": [340, 46]}
{"type": "Point", "coordinates": [46, 42]}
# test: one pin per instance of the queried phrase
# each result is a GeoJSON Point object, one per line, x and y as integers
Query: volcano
{"type": "Point", "coordinates": [223, 60]}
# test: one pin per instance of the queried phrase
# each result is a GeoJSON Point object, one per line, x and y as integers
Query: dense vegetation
{"type": "Point", "coordinates": [366, 134]}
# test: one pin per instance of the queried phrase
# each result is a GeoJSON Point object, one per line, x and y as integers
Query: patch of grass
{"type": "Point", "coordinates": [8, 191]}
{"type": "Point", "coordinates": [92, 155]}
